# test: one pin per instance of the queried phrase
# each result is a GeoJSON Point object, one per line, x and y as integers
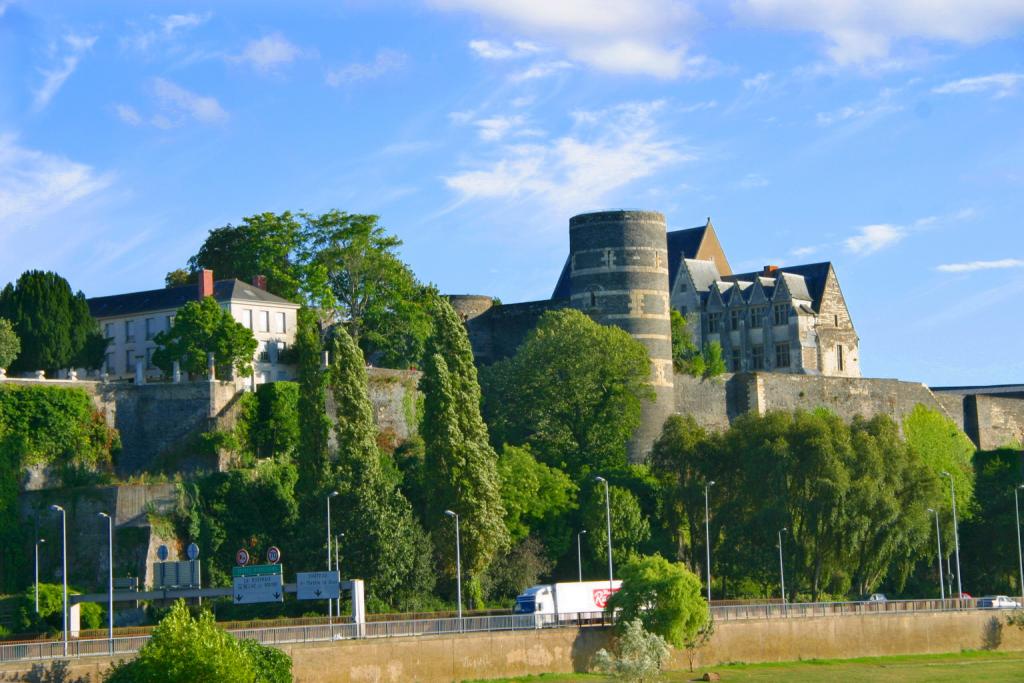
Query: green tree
{"type": "Point", "coordinates": [531, 491]}
{"type": "Point", "coordinates": [381, 535]}
{"type": "Point", "coordinates": [686, 356]}
{"type": "Point", "coordinates": [460, 463]}
{"type": "Point", "coordinates": [990, 534]}
{"type": "Point", "coordinates": [512, 572]}
{"type": "Point", "coordinates": [714, 364]}
{"type": "Point", "coordinates": [944, 448]}
{"type": "Point", "coordinates": [10, 345]}
{"type": "Point", "coordinates": [183, 649]}
{"type": "Point", "coordinates": [355, 272]}
{"type": "Point", "coordinates": [573, 392]}
{"type": "Point", "coordinates": [631, 528]}
{"type": "Point", "coordinates": [201, 327]}
{"type": "Point", "coordinates": [262, 244]}
{"type": "Point", "coordinates": [53, 324]}
{"type": "Point", "coordinates": [179, 277]}
{"type": "Point", "coordinates": [275, 428]}
{"type": "Point", "coordinates": [639, 655]}
{"type": "Point", "coordinates": [665, 596]}
{"type": "Point", "coordinates": [314, 425]}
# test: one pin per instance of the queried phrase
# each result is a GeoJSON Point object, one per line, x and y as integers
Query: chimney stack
{"type": "Point", "coordinates": [769, 271]}
{"type": "Point", "coordinates": [205, 283]}
{"type": "Point", "coordinates": [260, 281]}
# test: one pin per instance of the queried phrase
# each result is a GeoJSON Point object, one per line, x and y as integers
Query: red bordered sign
{"type": "Point", "coordinates": [273, 554]}
{"type": "Point", "coordinates": [242, 557]}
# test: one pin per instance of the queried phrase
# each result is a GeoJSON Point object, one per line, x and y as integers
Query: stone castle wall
{"type": "Point", "coordinates": [994, 421]}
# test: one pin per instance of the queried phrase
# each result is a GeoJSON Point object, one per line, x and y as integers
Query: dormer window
{"type": "Point", "coordinates": [781, 314]}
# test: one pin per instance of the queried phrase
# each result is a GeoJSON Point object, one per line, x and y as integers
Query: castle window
{"type": "Point", "coordinates": [781, 314]}
{"type": "Point", "coordinates": [836, 320]}
{"type": "Point", "coordinates": [683, 287]}
{"type": "Point", "coordinates": [736, 360]}
{"type": "Point", "coordinates": [756, 317]}
{"type": "Point", "coordinates": [840, 361]}
{"type": "Point", "coordinates": [757, 357]}
{"type": "Point", "coordinates": [593, 299]}
{"type": "Point", "coordinates": [129, 330]}
{"type": "Point", "coordinates": [782, 355]}
{"type": "Point", "coordinates": [128, 360]}
{"type": "Point", "coordinates": [735, 316]}
{"type": "Point", "coordinates": [108, 330]}
{"type": "Point", "coordinates": [150, 328]}
{"type": "Point", "coordinates": [714, 322]}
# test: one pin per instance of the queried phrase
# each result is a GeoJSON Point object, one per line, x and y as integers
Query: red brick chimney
{"type": "Point", "coordinates": [769, 270]}
{"type": "Point", "coordinates": [205, 283]}
{"type": "Point", "coordinates": [260, 281]}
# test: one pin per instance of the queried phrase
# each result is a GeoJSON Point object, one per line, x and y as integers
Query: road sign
{"type": "Point", "coordinates": [317, 585]}
{"type": "Point", "coordinates": [273, 554]}
{"type": "Point", "coordinates": [162, 553]}
{"type": "Point", "coordinates": [183, 574]}
{"type": "Point", "coordinates": [257, 570]}
{"type": "Point", "coordinates": [259, 588]}
{"type": "Point", "coordinates": [192, 551]}
{"type": "Point", "coordinates": [242, 557]}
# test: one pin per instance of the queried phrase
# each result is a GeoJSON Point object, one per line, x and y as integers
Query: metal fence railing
{"type": "Point", "coordinates": [304, 633]}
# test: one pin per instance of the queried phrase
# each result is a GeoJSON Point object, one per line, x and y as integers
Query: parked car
{"type": "Point", "coordinates": [997, 602]}
{"type": "Point", "coordinates": [877, 597]}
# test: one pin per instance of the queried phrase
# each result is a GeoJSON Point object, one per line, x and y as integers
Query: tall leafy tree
{"type": "Point", "coordinates": [52, 322]}
{"type": "Point", "coordinates": [262, 244]}
{"type": "Point", "coordinates": [573, 392]}
{"type": "Point", "coordinates": [531, 491]}
{"type": "Point", "coordinates": [383, 542]}
{"type": "Point", "coordinates": [355, 272]}
{"type": "Point", "coordinates": [10, 345]}
{"type": "Point", "coordinates": [314, 425]}
{"type": "Point", "coordinates": [631, 528]}
{"type": "Point", "coordinates": [460, 463]}
{"type": "Point", "coordinates": [202, 327]}
{"type": "Point", "coordinates": [945, 448]}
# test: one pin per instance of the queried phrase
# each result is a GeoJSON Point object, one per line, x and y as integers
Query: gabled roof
{"type": "Point", "coordinates": [562, 287]}
{"type": "Point", "coordinates": [814, 275]}
{"type": "Point", "coordinates": [176, 297]}
{"type": "Point", "coordinates": [683, 244]}
{"type": "Point", "coordinates": [702, 273]}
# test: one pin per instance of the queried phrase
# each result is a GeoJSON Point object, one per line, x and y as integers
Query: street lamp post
{"type": "Point", "coordinates": [38, 541]}
{"type": "Point", "coordinates": [956, 538]}
{"type": "Point", "coordinates": [608, 519]}
{"type": "Point", "coordinates": [110, 579]}
{"type": "Point", "coordinates": [579, 553]}
{"type": "Point", "coordinates": [1020, 557]}
{"type": "Point", "coordinates": [938, 541]}
{"type": "Point", "coordinates": [330, 495]}
{"type": "Point", "coordinates": [782, 572]}
{"type": "Point", "coordinates": [458, 560]}
{"type": "Point", "coordinates": [707, 535]}
{"type": "Point", "coordinates": [64, 569]}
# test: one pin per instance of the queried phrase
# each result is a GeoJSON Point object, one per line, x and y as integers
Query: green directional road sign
{"type": "Point", "coordinates": [258, 570]}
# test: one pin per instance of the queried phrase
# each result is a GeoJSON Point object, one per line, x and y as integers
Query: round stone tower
{"type": "Point", "coordinates": [619, 276]}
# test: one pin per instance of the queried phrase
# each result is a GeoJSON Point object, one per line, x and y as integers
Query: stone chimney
{"type": "Point", "coordinates": [205, 283]}
{"type": "Point", "coordinates": [769, 271]}
{"type": "Point", "coordinates": [260, 281]}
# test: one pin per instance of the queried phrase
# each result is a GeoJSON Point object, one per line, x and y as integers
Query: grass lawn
{"type": "Point", "coordinates": [967, 666]}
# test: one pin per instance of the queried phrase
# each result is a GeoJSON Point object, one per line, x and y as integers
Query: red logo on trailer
{"type": "Point", "coordinates": [601, 596]}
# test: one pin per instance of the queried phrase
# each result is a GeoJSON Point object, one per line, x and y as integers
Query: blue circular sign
{"type": "Point", "coordinates": [162, 553]}
{"type": "Point", "coordinates": [192, 551]}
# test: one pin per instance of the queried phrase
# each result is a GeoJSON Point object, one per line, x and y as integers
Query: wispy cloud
{"type": "Point", "coordinates": [540, 70]}
{"type": "Point", "coordinates": [385, 62]}
{"type": "Point", "coordinates": [864, 32]}
{"type": "Point", "coordinates": [873, 238]}
{"type": "Point", "coordinates": [163, 29]}
{"type": "Point", "coordinates": [862, 111]}
{"type": "Point", "coordinates": [268, 53]}
{"type": "Point", "coordinates": [757, 83]}
{"type": "Point", "coordinates": [752, 181]}
{"type": "Point", "coordinates": [971, 266]}
{"type": "Point", "coordinates": [55, 77]}
{"type": "Point", "coordinates": [35, 183]}
{"type": "Point", "coordinates": [179, 103]}
{"type": "Point", "coordinates": [643, 37]}
{"type": "Point", "coordinates": [1000, 85]}
{"type": "Point", "coordinates": [698, 106]}
{"type": "Point", "coordinates": [604, 151]}
{"type": "Point", "coordinates": [496, 127]}
{"type": "Point", "coordinates": [492, 49]}
{"type": "Point", "coordinates": [128, 114]}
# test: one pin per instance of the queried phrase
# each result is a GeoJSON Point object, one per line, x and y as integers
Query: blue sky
{"type": "Point", "coordinates": [885, 136]}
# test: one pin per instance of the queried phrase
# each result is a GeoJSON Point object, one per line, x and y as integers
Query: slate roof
{"type": "Point", "coordinates": [702, 273]}
{"type": "Point", "coordinates": [813, 274]}
{"type": "Point", "coordinates": [562, 287]}
{"type": "Point", "coordinates": [176, 297]}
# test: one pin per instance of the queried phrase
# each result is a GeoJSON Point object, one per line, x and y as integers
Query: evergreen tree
{"type": "Point", "coordinates": [10, 345]}
{"type": "Point", "coordinates": [383, 542]}
{"type": "Point", "coordinates": [53, 323]}
{"type": "Point", "coordinates": [460, 463]}
{"type": "Point", "coordinates": [314, 426]}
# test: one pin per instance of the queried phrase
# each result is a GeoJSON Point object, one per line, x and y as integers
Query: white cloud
{"type": "Point", "coordinates": [179, 103]}
{"type": "Point", "coordinates": [490, 49]}
{"type": "Point", "coordinates": [636, 37]}
{"type": "Point", "coordinates": [164, 29]}
{"type": "Point", "coordinates": [1002, 85]}
{"type": "Point", "coordinates": [128, 114]}
{"type": "Point", "coordinates": [54, 78]}
{"type": "Point", "coordinates": [859, 32]}
{"type": "Point", "coordinates": [698, 106]}
{"type": "Point", "coordinates": [540, 70]}
{"type": "Point", "coordinates": [873, 109]}
{"type": "Point", "coordinates": [496, 127]}
{"type": "Point", "coordinates": [604, 151]}
{"type": "Point", "coordinates": [34, 183]}
{"type": "Point", "coordinates": [872, 238]}
{"type": "Point", "coordinates": [173, 22]}
{"type": "Point", "coordinates": [269, 52]}
{"type": "Point", "coordinates": [757, 83]}
{"type": "Point", "coordinates": [805, 251]}
{"type": "Point", "coordinates": [385, 62]}
{"type": "Point", "coordinates": [753, 181]}
{"type": "Point", "coordinates": [972, 266]}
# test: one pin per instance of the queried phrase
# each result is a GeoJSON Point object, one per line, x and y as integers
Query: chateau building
{"type": "Point", "coordinates": [131, 322]}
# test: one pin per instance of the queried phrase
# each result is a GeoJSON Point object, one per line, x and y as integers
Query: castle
{"type": "Point", "coordinates": [625, 268]}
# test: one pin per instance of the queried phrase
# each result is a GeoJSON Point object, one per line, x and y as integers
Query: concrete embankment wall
{"type": "Point", "coordinates": [505, 653]}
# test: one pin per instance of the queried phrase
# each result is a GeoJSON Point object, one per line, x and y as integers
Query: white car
{"type": "Point", "coordinates": [998, 602]}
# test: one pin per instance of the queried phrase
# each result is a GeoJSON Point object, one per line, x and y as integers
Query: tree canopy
{"type": "Point", "coordinates": [202, 327]}
{"type": "Point", "coordinates": [573, 392]}
{"type": "Point", "coordinates": [10, 345]}
{"type": "Point", "coordinates": [53, 324]}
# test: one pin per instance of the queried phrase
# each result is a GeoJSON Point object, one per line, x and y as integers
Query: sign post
{"type": "Point", "coordinates": [258, 583]}
{"type": "Point", "coordinates": [317, 586]}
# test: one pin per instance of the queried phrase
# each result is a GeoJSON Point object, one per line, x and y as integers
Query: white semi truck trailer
{"type": "Point", "coordinates": [552, 600]}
